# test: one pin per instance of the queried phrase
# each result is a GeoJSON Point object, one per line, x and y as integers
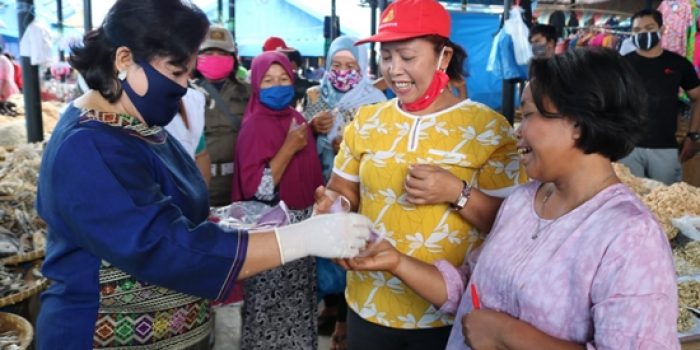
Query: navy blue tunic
{"type": "Point", "coordinates": [137, 202]}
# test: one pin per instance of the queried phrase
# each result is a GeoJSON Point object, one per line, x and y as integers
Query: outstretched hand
{"type": "Point", "coordinates": [380, 256]}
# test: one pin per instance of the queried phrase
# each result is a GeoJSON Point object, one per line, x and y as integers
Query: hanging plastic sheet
{"type": "Point", "coordinates": [36, 43]}
{"type": "Point", "coordinates": [519, 32]}
{"type": "Point", "coordinates": [474, 32]}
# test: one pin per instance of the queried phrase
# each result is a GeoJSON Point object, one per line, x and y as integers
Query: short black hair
{"type": "Point", "coordinates": [656, 15]}
{"type": "Point", "coordinates": [149, 28]}
{"type": "Point", "coordinates": [294, 56]}
{"type": "Point", "coordinates": [547, 31]}
{"type": "Point", "coordinates": [598, 90]}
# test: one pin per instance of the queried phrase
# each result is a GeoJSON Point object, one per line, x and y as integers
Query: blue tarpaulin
{"type": "Point", "coordinates": [475, 32]}
{"type": "Point", "coordinates": [258, 20]}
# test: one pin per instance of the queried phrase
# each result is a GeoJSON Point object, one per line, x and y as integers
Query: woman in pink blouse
{"type": "Point", "coordinates": [574, 259]}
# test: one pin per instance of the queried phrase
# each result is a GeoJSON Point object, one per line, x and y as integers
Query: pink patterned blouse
{"type": "Point", "coordinates": [600, 275]}
{"type": "Point", "coordinates": [678, 17]}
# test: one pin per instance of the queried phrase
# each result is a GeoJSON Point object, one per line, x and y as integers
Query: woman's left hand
{"type": "Point", "coordinates": [380, 256]}
{"type": "Point", "coordinates": [431, 184]}
{"type": "Point", "coordinates": [483, 328]}
{"type": "Point", "coordinates": [322, 122]}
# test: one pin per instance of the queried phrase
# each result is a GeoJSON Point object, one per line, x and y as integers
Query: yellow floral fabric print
{"type": "Point", "coordinates": [469, 140]}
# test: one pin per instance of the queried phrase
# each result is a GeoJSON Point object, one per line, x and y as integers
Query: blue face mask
{"type": "Point", "coordinates": [160, 103]}
{"type": "Point", "coordinates": [277, 97]}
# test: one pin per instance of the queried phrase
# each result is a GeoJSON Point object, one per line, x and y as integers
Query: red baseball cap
{"type": "Point", "coordinates": [407, 19]}
{"type": "Point", "coordinates": [275, 43]}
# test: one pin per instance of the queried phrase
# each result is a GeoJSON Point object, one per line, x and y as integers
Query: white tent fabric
{"type": "Point", "coordinates": [36, 43]}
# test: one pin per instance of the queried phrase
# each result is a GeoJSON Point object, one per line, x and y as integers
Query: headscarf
{"type": "Point", "coordinates": [361, 94]}
{"type": "Point", "coordinates": [262, 135]}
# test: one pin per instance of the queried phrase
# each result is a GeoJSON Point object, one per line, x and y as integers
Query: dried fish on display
{"type": "Point", "coordinates": [669, 202]}
{"type": "Point", "coordinates": [634, 183]}
{"type": "Point", "coordinates": [686, 320]}
{"type": "Point", "coordinates": [17, 280]}
{"type": "Point", "coordinates": [21, 229]}
{"type": "Point", "coordinates": [10, 340]}
{"type": "Point", "coordinates": [686, 258]}
{"type": "Point", "coordinates": [688, 303]}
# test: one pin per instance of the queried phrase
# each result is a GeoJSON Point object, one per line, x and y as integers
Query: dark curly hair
{"type": "Point", "coordinates": [149, 28]}
{"type": "Point", "coordinates": [598, 90]}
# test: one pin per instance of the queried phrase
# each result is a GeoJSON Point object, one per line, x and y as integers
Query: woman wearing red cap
{"type": "Point", "coordinates": [429, 169]}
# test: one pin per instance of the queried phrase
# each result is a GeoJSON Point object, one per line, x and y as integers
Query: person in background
{"type": "Point", "coordinates": [226, 101]}
{"type": "Point", "coordinates": [344, 88]}
{"type": "Point", "coordinates": [429, 169]}
{"type": "Point", "coordinates": [275, 43]}
{"type": "Point", "coordinates": [543, 38]}
{"type": "Point", "coordinates": [301, 84]}
{"type": "Point", "coordinates": [188, 128]}
{"type": "Point", "coordinates": [276, 160]}
{"type": "Point", "coordinates": [579, 239]}
{"type": "Point", "coordinates": [7, 79]}
{"type": "Point", "coordinates": [132, 257]}
{"type": "Point", "coordinates": [663, 72]}
{"type": "Point", "coordinates": [18, 69]}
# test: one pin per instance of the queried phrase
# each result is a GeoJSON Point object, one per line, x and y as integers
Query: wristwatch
{"type": "Point", "coordinates": [463, 198]}
{"type": "Point", "coordinates": [693, 136]}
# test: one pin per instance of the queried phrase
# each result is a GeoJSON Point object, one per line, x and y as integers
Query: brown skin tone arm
{"type": "Point", "coordinates": [489, 329]}
{"type": "Point", "coordinates": [262, 254]}
{"type": "Point", "coordinates": [688, 148]}
{"type": "Point", "coordinates": [337, 186]}
{"type": "Point", "coordinates": [481, 210]}
{"type": "Point", "coordinates": [431, 184]}
{"type": "Point", "coordinates": [279, 163]}
{"type": "Point", "coordinates": [423, 278]}
{"type": "Point", "coordinates": [203, 161]}
{"type": "Point", "coordinates": [295, 141]}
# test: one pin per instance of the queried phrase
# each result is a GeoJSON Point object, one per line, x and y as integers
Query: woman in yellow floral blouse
{"type": "Point", "coordinates": [429, 169]}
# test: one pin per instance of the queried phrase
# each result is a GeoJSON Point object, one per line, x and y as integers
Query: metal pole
{"type": "Point", "coordinates": [87, 15]}
{"type": "Point", "coordinates": [30, 76]}
{"type": "Point", "coordinates": [232, 17]}
{"type": "Point", "coordinates": [508, 93]}
{"type": "Point", "coordinates": [59, 13]}
{"type": "Point", "coordinates": [334, 30]}
{"type": "Point", "coordinates": [220, 10]}
{"type": "Point", "coordinates": [373, 25]}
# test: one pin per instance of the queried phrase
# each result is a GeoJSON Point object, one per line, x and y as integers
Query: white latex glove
{"type": "Point", "coordinates": [330, 236]}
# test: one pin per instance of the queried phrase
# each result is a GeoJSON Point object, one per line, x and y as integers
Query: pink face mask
{"type": "Point", "coordinates": [344, 80]}
{"type": "Point", "coordinates": [215, 67]}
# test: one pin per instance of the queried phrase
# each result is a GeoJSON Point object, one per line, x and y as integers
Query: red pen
{"type": "Point", "coordinates": [475, 298]}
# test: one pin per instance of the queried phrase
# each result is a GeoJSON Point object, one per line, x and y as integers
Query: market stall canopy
{"type": "Point", "coordinates": [627, 6]}
{"type": "Point", "coordinates": [298, 22]}
{"type": "Point", "coordinates": [45, 12]}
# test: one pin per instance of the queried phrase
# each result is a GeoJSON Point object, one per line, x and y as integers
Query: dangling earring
{"type": "Point", "coordinates": [122, 74]}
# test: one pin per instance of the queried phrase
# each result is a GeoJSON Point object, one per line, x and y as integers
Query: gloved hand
{"type": "Point", "coordinates": [330, 236]}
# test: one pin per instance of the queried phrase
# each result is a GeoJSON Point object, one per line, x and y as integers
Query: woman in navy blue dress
{"type": "Point", "coordinates": [130, 253]}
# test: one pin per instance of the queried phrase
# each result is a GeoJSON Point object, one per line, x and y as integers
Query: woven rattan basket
{"type": "Point", "coordinates": [24, 329]}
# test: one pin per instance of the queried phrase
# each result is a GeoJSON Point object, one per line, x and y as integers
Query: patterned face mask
{"type": "Point", "coordinates": [344, 80]}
